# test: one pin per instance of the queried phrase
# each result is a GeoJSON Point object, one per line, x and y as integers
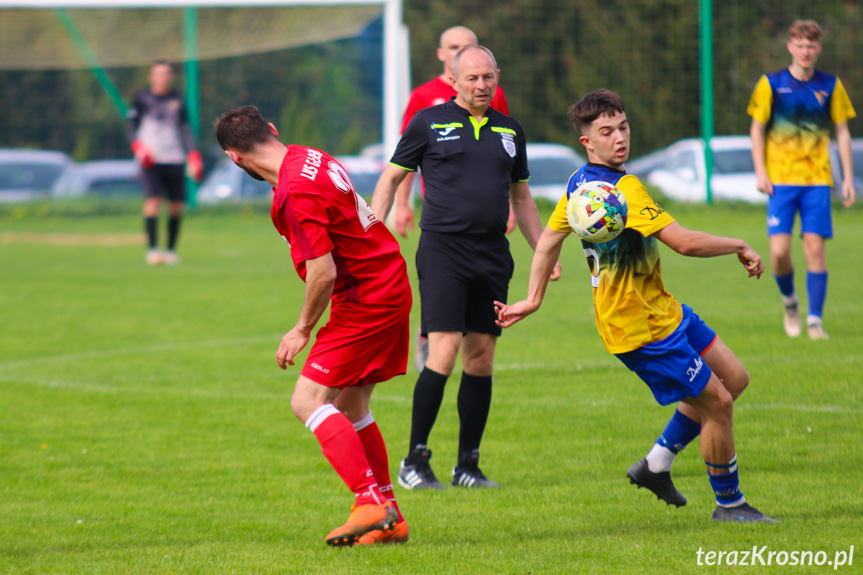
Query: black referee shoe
{"type": "Point", "coordinates": [468, 474]}
{"type": "Point", "coordinates": [659, 483]}
{"type": "Point", "coordinates": [418, 474]}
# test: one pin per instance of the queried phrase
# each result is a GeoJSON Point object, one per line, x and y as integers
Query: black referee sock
{"type": "Point", "coordinates": [173, 231]}
{"type": "Point", "coordinates": [474, 401]}
{"type": "Point", "coordinates": [428, 395]}
{"type": "Point", "coordinates": [152, 231]}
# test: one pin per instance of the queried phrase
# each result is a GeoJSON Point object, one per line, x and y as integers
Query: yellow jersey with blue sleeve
{"type": "Point", "coordinates": [632, 307]}
{"type": "Point", "coordinates": [798, 115]}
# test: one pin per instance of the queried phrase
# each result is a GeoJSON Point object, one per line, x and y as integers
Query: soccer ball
{"type": "Point", "coordinates": [596, 212]}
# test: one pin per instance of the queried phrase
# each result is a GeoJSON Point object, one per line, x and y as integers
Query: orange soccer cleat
{"type": "Point", "coordinates": [398, 534]}
{"type": "Point", "coordinates": [362, 520]}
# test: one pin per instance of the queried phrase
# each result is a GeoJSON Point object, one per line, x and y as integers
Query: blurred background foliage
{"type": "Point", "coordinates": [550, 52]}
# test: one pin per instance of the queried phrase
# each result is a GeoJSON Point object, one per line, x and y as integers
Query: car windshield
{"type": "Point", "coordinates": [548, 171]}
{"type": "Point", "coordinates": [28, 175]}
{"type": "Point", "coordinates": [733, 162]}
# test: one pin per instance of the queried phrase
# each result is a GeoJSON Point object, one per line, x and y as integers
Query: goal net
{"type": "Point", "coordinates": [322, 70]}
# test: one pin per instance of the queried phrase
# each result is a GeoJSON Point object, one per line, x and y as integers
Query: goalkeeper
{"type": "Point", "coordinates": [162, 141]}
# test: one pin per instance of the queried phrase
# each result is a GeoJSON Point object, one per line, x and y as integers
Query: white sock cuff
{"type": "Point", "coordinates": [364, 422]}
{"type": "Point", "coordinates": [319, 415]}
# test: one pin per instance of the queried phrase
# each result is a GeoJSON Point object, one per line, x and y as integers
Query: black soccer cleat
{"type": "Point", "coordinates": [743, 513]}
{"type": "Point", "coordinates": [419, 474]}
{"type": "Point", "coordinates": [659, 483]}
{"type": "Point", "coordinates": [468, 474]}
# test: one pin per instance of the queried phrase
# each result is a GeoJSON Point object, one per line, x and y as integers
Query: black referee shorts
{"type": "Point", "coordinates": [460, 277]}
{"type": "Point", "coordinates": [165, 180]}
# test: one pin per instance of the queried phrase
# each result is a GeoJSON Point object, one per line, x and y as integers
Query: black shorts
{"type": "Point", "coordinates": [460, 277]}
{"type": "Point", "coordinates": [165, 180]}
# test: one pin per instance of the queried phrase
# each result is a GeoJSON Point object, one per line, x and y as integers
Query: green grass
{"type": "Point", "coordinates": [145, 426]}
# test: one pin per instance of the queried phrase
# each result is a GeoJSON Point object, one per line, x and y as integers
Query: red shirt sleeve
{"type": "Point", "coordinates": [415, 104]}
{"type": "Point", "coordinates": [499, 102]}
{"type": "Point", "coordinates": [309, 221]}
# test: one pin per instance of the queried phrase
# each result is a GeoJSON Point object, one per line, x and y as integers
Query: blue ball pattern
{"type": "Point", "coordinates": [610, 204]}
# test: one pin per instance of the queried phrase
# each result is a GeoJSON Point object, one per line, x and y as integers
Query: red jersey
{"type": "Point", "coordinates": [317, 211]}
{"type": "Point", "coordinates": [436, 92]}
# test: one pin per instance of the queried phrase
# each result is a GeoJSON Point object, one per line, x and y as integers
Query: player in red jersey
{"type": "Point", "coordinates": [348, 259]}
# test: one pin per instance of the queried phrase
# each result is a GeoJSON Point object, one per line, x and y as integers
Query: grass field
{"type": "Point", "coordinates": [145, 426]}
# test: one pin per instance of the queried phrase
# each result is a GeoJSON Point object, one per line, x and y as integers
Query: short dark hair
{"type": "Point", "coordinates": [242, 129]}
{"type": "Point", "coordinates": [592, 106]}
{"type": "Point", "coordinates": [805, 30]}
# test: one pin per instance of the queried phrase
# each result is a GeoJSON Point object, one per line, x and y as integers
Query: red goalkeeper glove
{"type": "Point", "coordinates": [143, 154]}
{"type": "Point", "coordinates": [194, 165]}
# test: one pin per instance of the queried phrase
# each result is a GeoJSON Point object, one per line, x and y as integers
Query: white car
{"type": "Point", "coordinates": [679, 173]}
{"type": "Point", "coordinates": [682, 175]}
{"type": "Point", "coordinates": [229, 183]}
{"type": "Point", "coordinates": [100, 178]}
{"type": "Point", "coordinates": [550, 167]}
{"type": "Point", "coordinates": [29, 174]}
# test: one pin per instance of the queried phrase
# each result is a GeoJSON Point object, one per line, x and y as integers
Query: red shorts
{"type": "Point", "coordinates": [360, 345]}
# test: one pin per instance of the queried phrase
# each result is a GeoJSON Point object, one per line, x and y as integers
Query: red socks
{"type": "Point", "coordinates": [376, 454]}
{"type": "Point", "coordinates": [342, 447]}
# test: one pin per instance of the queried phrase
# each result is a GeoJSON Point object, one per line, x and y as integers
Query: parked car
{"type": "Point", "coordinates": [642, 166]}
{"type": "Point", "coordinates": [229, 183]}
{"type": "Point", "coordinates": [29, 174]}
{"type": "Point", "coordinates": [679, 173]}
{"type": "Point", "coordinates": [101, 178]}
{"type": "Point", "coordinates": [682, 175]}
{"type": "Point", "coordinates": [550, 167]}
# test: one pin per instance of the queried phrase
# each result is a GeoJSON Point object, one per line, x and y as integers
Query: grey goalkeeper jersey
{"type": "Point", "coordinates": [161, 122]}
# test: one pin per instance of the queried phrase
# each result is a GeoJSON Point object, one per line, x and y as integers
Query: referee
{"type": "Point", "coordinates": [473, 161]}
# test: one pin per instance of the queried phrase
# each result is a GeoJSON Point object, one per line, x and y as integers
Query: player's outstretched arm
{"type": "Point", "coordinates": [697, 244]}
{"type": "Point", "coordinates": [385, 190]}
{"type": "Point", "coordinates": [544, 262]}
{"type": "Point", "coordinates": [320, 280]}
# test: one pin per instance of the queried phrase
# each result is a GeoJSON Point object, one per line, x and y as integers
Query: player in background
{"type": "Point", "coordinates": [473, 159]}
{"type": "Point", "coordinates": [347, 259]}
{"type": "Point", "coordinates": [671, 349]}
{"type": "Point", "coordinates": [792, 110]}
{"type": "Point", "coordinates": [434, 92]}
{"type": "Point", "coordinates": [163, 143]}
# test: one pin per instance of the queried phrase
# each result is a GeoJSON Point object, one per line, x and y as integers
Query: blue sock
{"type": "Point", "coordinates": [726, 486]}
{"type": "Point", "coordinates": [785, 283]}
{"type": "Point", "coordinates": [816, 286]}
{"type": "Point", "coordinates": [679, 432]}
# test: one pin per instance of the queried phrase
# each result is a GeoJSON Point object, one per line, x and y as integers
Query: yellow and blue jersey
{"type": "Point", "coordinates": [632, 307]}
{"type": "Point", "coordinates": [798, 116]}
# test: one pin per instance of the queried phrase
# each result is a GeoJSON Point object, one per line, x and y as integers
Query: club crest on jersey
{"type": "Point", "coordinates": [508, 145]}
{"type": "Point", "coordinates": [821, 96]}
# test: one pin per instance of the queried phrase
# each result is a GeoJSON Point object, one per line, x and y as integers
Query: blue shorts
{"type": "Point", "coordinates": [673, 368]}
{"type": "Point", "coordinates": [813, 204]}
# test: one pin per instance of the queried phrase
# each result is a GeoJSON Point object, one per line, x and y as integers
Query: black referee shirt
{"type": "Point", "coordinates": [467, 167]}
